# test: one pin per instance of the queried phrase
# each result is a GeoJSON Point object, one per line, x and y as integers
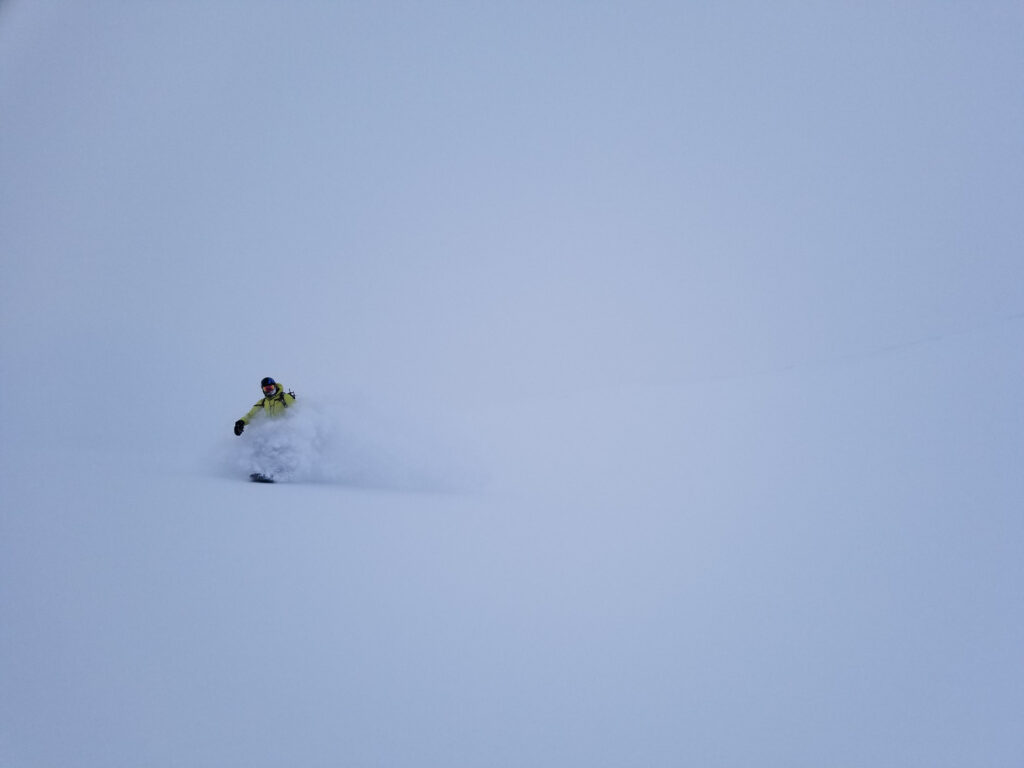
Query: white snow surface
{"type": "Point", "coordinates": [658, 369]}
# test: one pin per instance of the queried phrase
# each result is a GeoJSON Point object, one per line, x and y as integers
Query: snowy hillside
{"type": "Point", "coordinates": [658, 370]}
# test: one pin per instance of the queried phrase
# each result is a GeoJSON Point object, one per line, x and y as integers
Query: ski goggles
{"type": "Point", "coordinates": [270, 389]}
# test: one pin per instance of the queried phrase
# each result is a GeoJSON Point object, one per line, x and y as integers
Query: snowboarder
{"type": "Point", "coordinates": [273, 403]}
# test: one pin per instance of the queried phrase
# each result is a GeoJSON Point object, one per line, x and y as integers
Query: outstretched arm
{"type": "Point", "coordinates": [240, 424]}
{"type": "Point", "coordinates": [252, 412]}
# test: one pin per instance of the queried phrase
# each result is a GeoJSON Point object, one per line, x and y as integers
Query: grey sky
{"type": "Point", "coordinates": [667, 186]}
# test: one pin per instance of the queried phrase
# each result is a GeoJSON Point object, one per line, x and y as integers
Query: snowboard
{"type": "Point", "coordinates": [259, 477]}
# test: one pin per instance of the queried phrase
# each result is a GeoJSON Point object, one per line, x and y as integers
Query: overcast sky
{"type": "Point", "coordinates": [478, 196]}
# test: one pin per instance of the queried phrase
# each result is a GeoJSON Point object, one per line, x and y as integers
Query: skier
{"type": "Point", "coordinates": [274, 402]}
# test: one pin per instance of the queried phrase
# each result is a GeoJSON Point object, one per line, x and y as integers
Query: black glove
{"type": "Point", "coordinates": [239, 426]}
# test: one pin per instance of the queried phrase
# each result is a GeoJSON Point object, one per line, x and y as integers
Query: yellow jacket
{"type": "Point", "coordinates": [271, 406]}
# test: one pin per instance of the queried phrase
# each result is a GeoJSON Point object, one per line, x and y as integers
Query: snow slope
{"type": "Point", "coordinates": [793, 568]}
{"type": "Point", "coordinates": [659, 386]}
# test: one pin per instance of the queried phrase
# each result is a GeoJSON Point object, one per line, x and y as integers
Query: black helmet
{"type": "Point", "coordinates": [268, 385]}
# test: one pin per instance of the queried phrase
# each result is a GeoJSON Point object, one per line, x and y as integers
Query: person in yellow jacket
{"type": "Point", "coordinates": [274, 402]}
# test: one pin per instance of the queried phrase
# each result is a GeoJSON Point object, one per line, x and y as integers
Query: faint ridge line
{"type": "Point", "coordinates": [822, 362]}
{"type": "Point", "coordinates": [826, 361]}
{"type": "Point", "coordinates": [851, 357]}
